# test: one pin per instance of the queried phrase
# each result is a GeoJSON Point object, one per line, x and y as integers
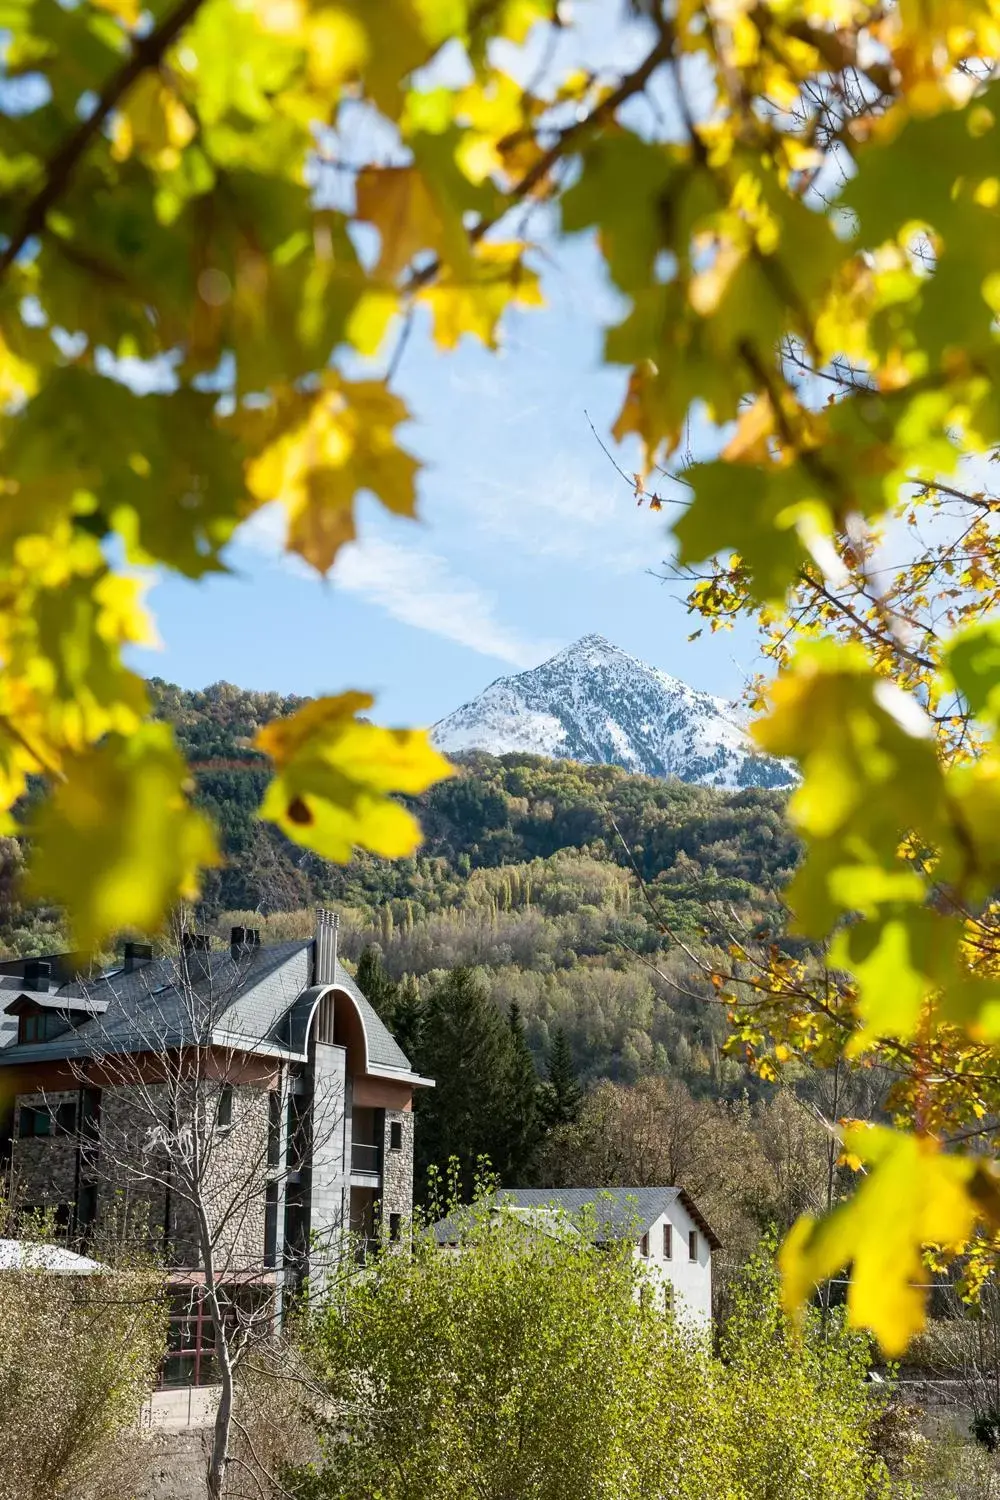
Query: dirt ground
{"type": "Point", "coordinates": [176, 1469]}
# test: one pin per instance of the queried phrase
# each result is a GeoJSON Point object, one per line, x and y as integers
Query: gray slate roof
{"type": "Point", "coordinates": [242, 1003]}
{"type": "Point", "coordinates": [618, 1212]}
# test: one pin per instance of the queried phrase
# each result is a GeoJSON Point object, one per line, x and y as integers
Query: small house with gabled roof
{"type": "Point", "coordinates": [673, 1240]}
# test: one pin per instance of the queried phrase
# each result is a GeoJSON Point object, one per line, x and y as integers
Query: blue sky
{"type": "Point", "coordinates": [527, 537]}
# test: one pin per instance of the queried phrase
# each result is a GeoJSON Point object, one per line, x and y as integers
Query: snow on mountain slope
{"type": "Point", "coordinates": [593, 702]}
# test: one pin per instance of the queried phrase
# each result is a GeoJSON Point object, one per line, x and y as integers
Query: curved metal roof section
{"type": "Point", "coordinates": [381, 1048]}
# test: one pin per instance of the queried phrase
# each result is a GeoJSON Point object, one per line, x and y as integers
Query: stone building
{"type": "Point", "coordinates": [246, 1104]}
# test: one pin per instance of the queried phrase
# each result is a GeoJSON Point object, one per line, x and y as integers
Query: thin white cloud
{"type": "Point", "coordinates": [570, 513]}
{"type": "Point", "coordinates": [419, 589]}
{"type": "Point", "coordinates": [412, 585]}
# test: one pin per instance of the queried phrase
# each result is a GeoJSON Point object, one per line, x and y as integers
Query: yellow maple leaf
{"type": "Point", "coordinates": [914, 1195]}
{"type": "Point", "coordinates": [336, 777]}
{"type": "Point", "coordinates": [127, 11]}
{"type": "Point", "coordinates": [324, 447]}
{"type": "Point", "coordinates": [117, 842]}
{"type": "Point", "coordinates": [474, 302]}
{"type": "Point", "coordinates": [398, 202]}
{"type": "Point", "coordinates": [153, 123]}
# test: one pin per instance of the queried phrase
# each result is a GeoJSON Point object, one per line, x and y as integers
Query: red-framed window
{"type": "Point", "coordinates": [190, 1356]}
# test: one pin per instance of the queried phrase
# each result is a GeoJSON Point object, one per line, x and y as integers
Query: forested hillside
{"type": "Point", "coordinates": [524, 874]}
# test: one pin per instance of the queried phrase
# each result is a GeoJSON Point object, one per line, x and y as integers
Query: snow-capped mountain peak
{"type": "Point", "coordinates": [593, 702]}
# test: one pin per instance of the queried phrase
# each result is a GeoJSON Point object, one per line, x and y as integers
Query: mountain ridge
{"type": "Point", "coordinates": [595, 703]}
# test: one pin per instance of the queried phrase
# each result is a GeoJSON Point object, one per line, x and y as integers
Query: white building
{"type": "Point", "coordinates": [673, 1240]}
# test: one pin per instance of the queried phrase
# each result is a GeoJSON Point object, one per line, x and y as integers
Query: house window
{"type": "Point", "coordinates": [644, 1246]}
{"type": "Point", "coordinates": [274, 1128]}
{"type": "Point", "coordinates": [668, 1242]}
{"type": "Point", "coordinates": [271, 1226]}
{"type": "Point", "coordinates": [66, 1119]}
{"type": "Point", "coordinates": [32, 1122]}
{"type": "Point", "coordinates": [395, 1135]}
{"type": "Point", "coordinates": [86, 1207]}
{"type": "Point", "coordinates": [190, 1357]}
{"type": "Point", "coordinates": [91, 1115]}
{"type": "Point", "coordinates": [668, 1297]}
{"type": "Point", "coordinates": [39, 1026]}
{"type": "Point", "coordinates": [224, 1113]}
{"type": "Point", "coordinates": [693, 1245]}
{"type": "Point", "coordinates": [395, 1227]}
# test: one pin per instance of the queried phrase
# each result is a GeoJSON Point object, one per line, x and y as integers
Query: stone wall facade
{"type": "Point", "coordinates": [45, 1167]}
{"type": "Point", "coordinates": [397, 1165]}
{"type": "Point", "coordinates": [111, 1177]}
{"type": "Point", "coordinates": [138, 1196]}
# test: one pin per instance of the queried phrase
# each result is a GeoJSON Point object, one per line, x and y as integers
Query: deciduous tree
{"type": "Point", "coordinates": [797, 205]}
{"type": "Point", "coordinates": [526, 1362]}
{"type": "Point", "coordinates": [78, 1357]}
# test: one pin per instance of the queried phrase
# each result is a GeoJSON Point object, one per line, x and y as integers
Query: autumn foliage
{"type": "Point", "coordinates": [798, 203]}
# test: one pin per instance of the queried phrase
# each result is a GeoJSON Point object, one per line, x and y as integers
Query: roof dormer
{"type": "Point", "coordinates": [41, 1015]}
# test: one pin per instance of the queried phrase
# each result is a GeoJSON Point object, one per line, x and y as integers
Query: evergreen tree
{"type": "Point", "coordinates": [561, 1095]}
{"type": "Point", "coordinates": [466, 1048]}
{"type": "Point", "coordinates": [407, 1015]}
{"type": "Point", "coordinates": [374, 983]}
{"type": "Point", "coordinates": [521, 1107]}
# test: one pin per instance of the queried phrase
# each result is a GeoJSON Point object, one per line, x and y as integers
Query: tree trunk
{"type": "Point", "coordinates": [219, 1456]}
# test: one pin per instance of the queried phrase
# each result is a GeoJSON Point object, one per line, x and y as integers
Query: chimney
{"type": "Point", "coordinates": [37, 973]}
{"type": "Point", "coordinates": [325, 957]}
{"type": "Point", "coordinates": [242, 941]}
{"type": "Point", "coordinates": [195, 955]}
{"type": "Point", "coordinates": [135, 955]}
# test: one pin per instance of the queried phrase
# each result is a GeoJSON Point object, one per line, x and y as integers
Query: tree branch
{"type": "Point", "coordinates": [146, 53]}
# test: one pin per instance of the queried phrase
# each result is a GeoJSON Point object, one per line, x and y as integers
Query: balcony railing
{"type": "Point", "coordinates": [365, 1158]}
{"type": "Point", "coordinates": [366, 1249]}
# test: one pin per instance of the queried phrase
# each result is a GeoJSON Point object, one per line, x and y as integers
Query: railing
{"type": "Point", "coordinates": [365, 1158]}
{"type": "Point", "coordinates": [366, 1249]}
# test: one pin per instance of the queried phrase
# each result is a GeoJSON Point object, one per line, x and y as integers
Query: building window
{"type": "Point", "coordinates": [32, 1122]}
{"type": "Point", "coordinates": [190, 1357]}
{"type": "Point", "coordinates": [274, 1128]}
{"type": "Point", "coordinates": [395, 1135]}
{"type": "Point", "coordinates": [271, 1226]}
{"type": "Point", "coordinates": [644, 1246]}
{"type": "Point", "coordinates": [395, 1227]}
{"type": "Point", "coordinates": [91, 1115]}
{"type": "Point", "coordinates": [224, 1113]}
{"type": "Point", "coordinates": [668, 1242]}
{"type": "Point", "coordinates": [39, 1026]}
{"type": "Point", "coordinates": [41, 1121]}
{"type": "Point", "coordinates": [86, 1207]}
{"type": "Point", "coordinates": [668, 1297]}
{"type": "Point", "coordinates": [693, 1245]}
